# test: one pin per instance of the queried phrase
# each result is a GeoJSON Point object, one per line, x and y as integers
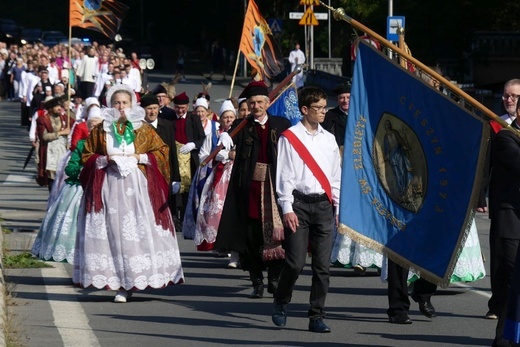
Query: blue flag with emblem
{"type": "Point", "coordinates": [411, 164]}
{"type": "Point", "coordinates": [286, 105]}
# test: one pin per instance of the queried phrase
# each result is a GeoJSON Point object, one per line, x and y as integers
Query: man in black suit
{"type": "Point", "coordinates": [166, 131]}
{"type": "Point", "coordinates": [189, 137]}
{"type": "Point", "coordinates": [165, 112]}
{"type": "Point", "coordinates": [504, 210]}
{"type": "Point", "coordinates": [510, 97]}
{"type": "Point", "coordinates": [250, 208]}
{"type": "Point", "coordinates": [336, 118]}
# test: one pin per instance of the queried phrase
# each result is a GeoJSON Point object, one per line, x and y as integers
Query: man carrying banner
{"type": "Point", "coordinates": [510, 97]}
{"type": "Point", "coordinates": [504, 202]}
{"type": "Point", "coordinates": [307, 182]}
{"type": "Point", "coordinates": [251, 224]}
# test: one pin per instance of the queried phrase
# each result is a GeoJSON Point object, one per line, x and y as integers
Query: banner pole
{"type": "Point", "coordinates": [339, 14]}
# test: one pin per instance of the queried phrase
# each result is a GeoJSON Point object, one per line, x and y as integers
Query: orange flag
{"type": "Point", "coordinates": [104, 16]}
{"type": "Point", "coordinates": [259, 46]}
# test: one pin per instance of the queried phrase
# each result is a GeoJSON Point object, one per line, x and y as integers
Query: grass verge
{"type": "Point", "coordinates": [23, 260]}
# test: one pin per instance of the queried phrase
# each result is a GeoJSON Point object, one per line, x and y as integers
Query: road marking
{"type": "Point", "coordinates": [15, 179]}
{"type": "Point", "coordinates": [474, 290]}
{"type": "Point", "coordinates": [69, 317]}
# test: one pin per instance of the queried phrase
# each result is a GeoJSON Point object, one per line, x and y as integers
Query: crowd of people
{"type": "Point", "coordinates": [123, 168]}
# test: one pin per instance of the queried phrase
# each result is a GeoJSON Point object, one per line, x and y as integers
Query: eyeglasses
{"type": "Point", "coordinates": [513, 97]}
{"type": "Point", "coordinates": [318, 108]}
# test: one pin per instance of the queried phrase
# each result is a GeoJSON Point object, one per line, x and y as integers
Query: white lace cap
{"type": "Point", "coordinates": [120, 87]}
{"type": "Point", "coordinates": [227, 105]}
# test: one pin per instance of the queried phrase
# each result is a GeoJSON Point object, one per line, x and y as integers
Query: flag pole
{"type": "Point", "coordinates": [339, 14]}
{"type": "Point", "coordinates": [68, 70]}
{"type": "Point", "coordinates": [234, 74]}
{"type": "Point", "coordinates": [273, 95]}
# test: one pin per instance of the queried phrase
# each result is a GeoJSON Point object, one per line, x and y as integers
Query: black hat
{"type": "Point", "coordinates": [53, 102]}
{"type": "Point", "coordinates": [42, 68]}
{"type": "Point", "coordinates": [149, 99]}
{"type": "Point", "coordinates": [159, 89]}
{"type": "Point", "coordinates": [254, 88]}
{"type": "Point", "coordinates": [342, 89]}
{"type": "Point", "coordinates": [76, 94]}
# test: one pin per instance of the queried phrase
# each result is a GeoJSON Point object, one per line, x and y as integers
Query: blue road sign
{"type": "Point", "coordinates": [393, 23]}
{"type": "Point", "coordinates": [275, 25]}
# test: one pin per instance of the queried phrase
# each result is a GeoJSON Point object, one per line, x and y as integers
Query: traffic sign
{"type": "Point", "coordinates": [310, 2]}
{"type": "Point", "coordinates": [394, 23]}
{"type": "Point", "coordinates": [318, 15]}
{"type": "Point", "coordinates": [275, 25]}
{"type": "Point", "coordinates": [309, 18]}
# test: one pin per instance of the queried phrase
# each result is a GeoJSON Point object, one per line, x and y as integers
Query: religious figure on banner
{"type": "Point", "coordinates": [400, 162]}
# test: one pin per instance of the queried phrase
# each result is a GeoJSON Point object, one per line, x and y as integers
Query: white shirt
{"type": "Point", "coordinates": [54, 75]}
{"type": "Point", "coordinates": [205, 149]}
{"type": "Point", "coordinates": [88, 69]}
{"type": "Point", "coordinates": [297, 53]}
{"type": "Point", "coordinates": [100, 83]}
{"type": "Point", "coordinates": [507, 118]}
{"type": "Point", "coordinates": [129, 81]}
{"type": "Point", "coordinates": [154, 123]}
{"type": "Point", "coordinates": [30, 83]}
{"type": "Point", "coordinates": [293, 174]}
{"type": "Point", "coordinates": [32, 129]}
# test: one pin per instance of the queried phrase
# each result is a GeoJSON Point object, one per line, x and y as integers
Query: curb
{"type": "Point", "coordinates": [3, 311]}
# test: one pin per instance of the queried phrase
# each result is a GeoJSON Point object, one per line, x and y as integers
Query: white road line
{"type": "Point", "coordinates": [476, 291]}
{"type": "Point", "coordinates": [16, 179]}
{"type": "Point", "coordinates": [69, 317]}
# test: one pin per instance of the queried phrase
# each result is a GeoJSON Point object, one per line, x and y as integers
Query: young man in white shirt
{"type": "Point", "coordinates": [307, 184]}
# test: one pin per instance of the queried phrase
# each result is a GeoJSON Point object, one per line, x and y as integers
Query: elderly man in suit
{"type": "Point", "coordinates": [189, 137]}
{"type": "Point", "coordinates": [250, 219]}
{"type": "Point", "coordinates": [166, 132]}
{"type": "Point", "coordinates": [504, 204]}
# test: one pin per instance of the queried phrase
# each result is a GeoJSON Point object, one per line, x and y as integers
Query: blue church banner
{"type": "Point", "coordinates": [286, 105]}
{"type": "Point", "coordinates": [411, 168]}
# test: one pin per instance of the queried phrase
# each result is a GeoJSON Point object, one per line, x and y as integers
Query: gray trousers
{"type": "Point", "coordinates": [316, 231]}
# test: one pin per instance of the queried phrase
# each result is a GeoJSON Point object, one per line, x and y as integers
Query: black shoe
{"type": "Point", "coordinates": [258, 292]}
{"type": "Point", "coordinates": [317, 325]}
{"type": "Point", "coordinates": [427, 309]}
{"type": "Point", "coordinates": [400, 319]}
{"type": "Point", "coordinates": [279, 316]}
{"type": "Point", "coordinates": [501, 343]}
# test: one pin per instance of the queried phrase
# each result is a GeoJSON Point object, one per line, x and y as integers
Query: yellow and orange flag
{"type": "Point", "coordinates": [104, 16]}
{"type": "Point", "coordinates": [258, 44]}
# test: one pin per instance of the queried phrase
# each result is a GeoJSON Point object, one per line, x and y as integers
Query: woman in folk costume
{"type": "Point", "coordinates": [349, 254]}
{"type": "Point", "coordinates": [201, 109]}
{"type": "Point", "coordinates": [79, 131]}
{"type": "Point", "coordinates": [56, 238]}
{"type": "Point", "coordinates": [126, 238]}
{"type": "Point", "coordinates": [469, 266]}
{"type": "Point", "coordinates": [197, 184]}
{"type": "Point", "coordinates": [214, 192]}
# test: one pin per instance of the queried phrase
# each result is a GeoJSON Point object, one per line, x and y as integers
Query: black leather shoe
{"type": "Point", "coordinates": [279, 316]}
{"type": "Point", "coordinates": [501, 343]}
{"type": "Point", "coordinates": [400, 319]}
{"type": "Point", "coordinates": [427, 309]}
{"type": "Point", "coordinates": [317, 325]}
{"type": "Point", "coordinates": [258, 292]}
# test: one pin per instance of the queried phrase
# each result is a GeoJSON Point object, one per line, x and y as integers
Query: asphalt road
{"type": "Point", "coordinates": [211, 308]}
